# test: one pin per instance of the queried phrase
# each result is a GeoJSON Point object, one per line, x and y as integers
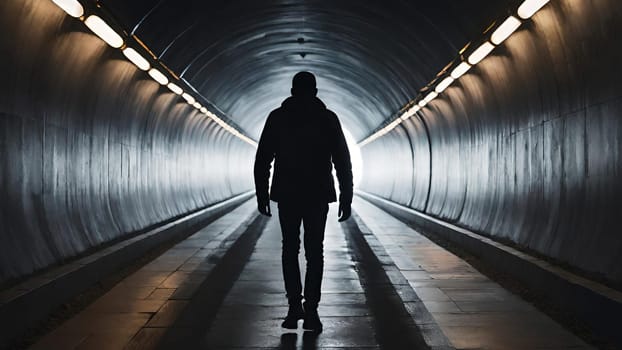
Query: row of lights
{"type": "Point", "coordinates": [104, 31]}
{"type": "Point", "coordinates": [527, 9]}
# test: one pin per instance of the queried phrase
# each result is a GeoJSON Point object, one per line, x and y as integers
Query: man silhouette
{"type": "Point", "coordinates": [305, 139]}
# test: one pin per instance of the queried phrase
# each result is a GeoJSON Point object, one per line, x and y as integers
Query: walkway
{"type": "Point", "coordinates": [385, 287]}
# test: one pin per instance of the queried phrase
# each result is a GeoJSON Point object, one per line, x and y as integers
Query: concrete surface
{"type": "Point", "coordinates": [175, 301]}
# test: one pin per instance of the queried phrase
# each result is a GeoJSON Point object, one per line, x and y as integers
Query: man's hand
{"type": "Point", "coordinates": [264, 207]}
{"type": "Point", "coordinates": [345, 210]}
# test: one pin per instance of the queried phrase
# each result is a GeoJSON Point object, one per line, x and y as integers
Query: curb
{"type": "Point", "coordinates": [600, 307]}
{"type": "Point", "coordinates": [26, 304]}
{"type": "Point", "coordinates": [431, 333]}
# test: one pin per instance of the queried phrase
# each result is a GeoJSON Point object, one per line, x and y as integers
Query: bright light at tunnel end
{"type": "Point", "coordinates": [355, 157]}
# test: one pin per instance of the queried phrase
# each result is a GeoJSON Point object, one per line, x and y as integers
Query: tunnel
{"type": "Point", "coordinates": [485, 138]}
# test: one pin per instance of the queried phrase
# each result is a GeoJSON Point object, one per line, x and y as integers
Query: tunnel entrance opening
{"type": "Point", "coordinates": [355, 158]}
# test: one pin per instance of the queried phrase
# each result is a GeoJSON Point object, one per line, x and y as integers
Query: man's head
{"type": "Point", "coordinates": [303, 84]}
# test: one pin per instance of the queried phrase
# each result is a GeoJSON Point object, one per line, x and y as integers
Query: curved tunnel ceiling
{"type": "Point", "coordinates": [370, 57]}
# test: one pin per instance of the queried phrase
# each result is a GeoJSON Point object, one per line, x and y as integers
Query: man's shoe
{"type": "Point", "coordinates": [312, 321]}
{"type": "Point", "coordinates": [294, 314]}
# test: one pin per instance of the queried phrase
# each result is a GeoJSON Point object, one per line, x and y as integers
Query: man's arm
{"type": "Point", "coordinates": [263, 159]}
{"type": "Point", "coordinates": [343, 166]}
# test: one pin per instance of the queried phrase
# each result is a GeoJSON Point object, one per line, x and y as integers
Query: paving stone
{"type": "Point", "coordinates": [143, 311]}
{"type": "Point", "coordinates": [472, 311]}
{"type": "Point", "coordinates": [254, 308]}
{"type": "Point", "coordinates": [128, 307]}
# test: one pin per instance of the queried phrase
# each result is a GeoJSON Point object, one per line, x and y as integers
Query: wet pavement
{"type": "Point", "coordinates": [385, 287]}
{"type": "Point", "coordinates": [473, 311]}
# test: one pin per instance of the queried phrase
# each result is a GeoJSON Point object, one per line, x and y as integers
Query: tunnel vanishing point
{"type": "Point", "coordinates": [486, 217]}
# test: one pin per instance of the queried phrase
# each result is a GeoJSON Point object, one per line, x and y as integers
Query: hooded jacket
{"type": "Point", "coordinates": [305, 139]}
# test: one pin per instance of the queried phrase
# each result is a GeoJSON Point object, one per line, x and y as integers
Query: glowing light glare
{"type": "Point", "coordinates": [506, 29]}
{"type": "Point", "coordinates": [104, 31]}
{"type": "Point", "coordinates": [72, 7]}
{"type": "Point", "coordinates": [136, 58]}
{"type": "Point", "coordinates": [460, 70]}
{"type": "Point", "coordinates": [203, 110]}
{"type": "Point", "coordinates": [529, 7]}
{"type": "Point", "coordinates": [444, 84]}
{"type": "Point", "coordinates": [422, 103]}
{"type": "Point", "coordinates": [188, 98]}
{"type": "Point", "coordinates": [197, 105]}
{"type": "Point", "coordinates": [481, 53]}
{"type": "Point", "coordinates": [175, 89]}
{"type": "Point", "coordinates": [409, 113]}
{"type": "Point", "coordinates": [158, 76]}
{"type": "Point", "coordinates": [355, 157]}
{"type": "Point", "coordinates": [432, 95]}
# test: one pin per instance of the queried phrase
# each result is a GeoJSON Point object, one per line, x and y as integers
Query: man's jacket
{"type": "Point", "coordinates": [305, 139]}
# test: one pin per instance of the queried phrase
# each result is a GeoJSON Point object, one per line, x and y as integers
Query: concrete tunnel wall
{"type": "Point", "coordinates": [526, 147]}
{"type": "Point", "coordinates": [91, 148]}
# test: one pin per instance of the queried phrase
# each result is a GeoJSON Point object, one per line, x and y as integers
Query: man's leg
{"type": "Point", "coordinates": [290, 218]}
{"type": "Point", "coordinates": [314, 221]}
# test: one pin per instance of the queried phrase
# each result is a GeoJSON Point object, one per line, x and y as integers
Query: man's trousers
{"type": "Point", "coordinates": [313, 219]}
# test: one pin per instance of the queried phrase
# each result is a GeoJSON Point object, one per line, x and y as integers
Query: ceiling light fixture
{"type": "Point", "coordinates": [136, 58]}
{"type": "Point", "coordinates": [175, 89]}
{"type": "Point", "coordinates": [188, 98]}
{"type": "Point", "coordinates": [506, 29]}
{"type": "Point", "coordinates": [480, 53]}
{"type": "Point", "coordinates": [529, 7]}
{"type": "Point", "coordinates": [72, 7]}
{"type": "Point", "coordinates": [460, 69]}
{"type": "Point", "coordinates": [444, 84]}
{"type": "Point", "coordinates": [158, 76]}
{"type": "Point", "coordinates": [104, 31]}
{"type": "Point", "coordinates": [432, 95]}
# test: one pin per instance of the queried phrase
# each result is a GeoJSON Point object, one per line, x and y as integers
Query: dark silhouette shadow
{"type": "Point", "coordinates": [305, 140]}
{"type": "Point", "coordinates": [288, 341]}
{"type": "Point", "coordinates": [309, 340]}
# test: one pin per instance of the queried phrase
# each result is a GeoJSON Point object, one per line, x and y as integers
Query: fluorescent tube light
{"type": "Point", "coordinates": [136, 58]}
{"type": "Point", "coordinates": [197, 105]}
{"type": "Point", "coordinates": [422, 103]}
{"type": "Point", "coordinates": [104, 31]}
{"type": "Point", "coordinates": [459, 71]}
{"type": "Point", "coordinates": [444, 84]}
{"type": "Point", "coordinates": [529, 7]}
{"type": "Point", "coordinates": [505, 30]}
{"type": "Point", "coordinates": [188, 98]}
{"type": "Point", "coordinates": [72, 7]}
{"type": "Point", "coordinates": [158, 76]}
{"type": "Point", "coordinates": [203, 110]}
{"type": "Point", "coordinates": [432, 95]}
{"type": "Point", "coordinates": [410, 112]}
{"type": "Point", "coordinates": [175, 89]}
{"type": "Point", "coordinates": [480, 53]}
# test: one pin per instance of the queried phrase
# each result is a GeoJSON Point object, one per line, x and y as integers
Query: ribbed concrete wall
{"type": "Point", "coordinates": [91, 148]}
{"type": "Point", "coordinates": [526, 147]}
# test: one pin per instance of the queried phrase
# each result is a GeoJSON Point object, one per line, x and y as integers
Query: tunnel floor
{"type": "Point", "coordinates": [385, 287]}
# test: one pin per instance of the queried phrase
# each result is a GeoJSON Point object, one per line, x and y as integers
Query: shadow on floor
{"type": "Point", "coordinates": [288, 341]}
